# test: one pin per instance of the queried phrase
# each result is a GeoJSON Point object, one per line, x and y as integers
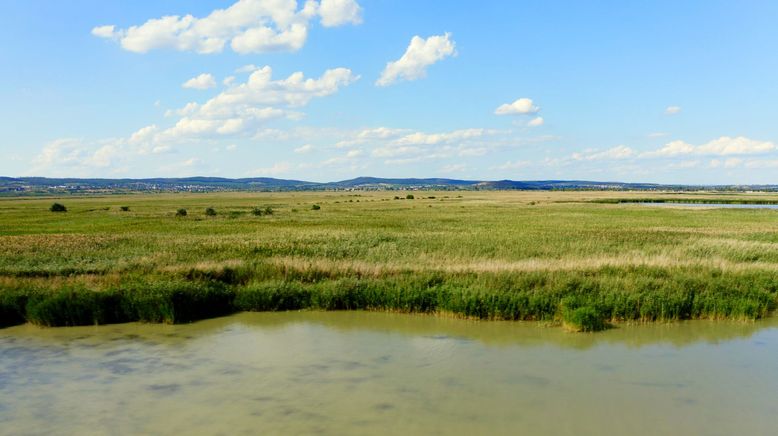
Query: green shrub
{"type": "Point", "coordinates": [256, 211]}
{"type": "Point", "coordinates": [409, 197]}
{"type": "Point", "coordinates": [124, 208]}
{"type": "Point", "coordinates": [58, 207]}
{"type": "Point", "coordinates": [315, 207]}
{"type": "Point", "coordinates": [584, 319]}
{"type": "Point", "coordinates": [209, 211]}
{"type": "Point", "coordinates": [181, 212]}
{"type": "Point", "coordinates": [269, 210]}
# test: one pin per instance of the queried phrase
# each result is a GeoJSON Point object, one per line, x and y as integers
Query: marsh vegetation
{"type": "Point", "coordinates": [557, 257]}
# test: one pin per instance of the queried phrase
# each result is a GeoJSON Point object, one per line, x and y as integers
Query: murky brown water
{"type": "Point", "coordinates": [375, 373]}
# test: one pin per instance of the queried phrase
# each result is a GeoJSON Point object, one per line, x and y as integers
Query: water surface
{"type": "Point", "coordinates": [708, 205]}
{"type": "Point", "coordinates": [376, 373]}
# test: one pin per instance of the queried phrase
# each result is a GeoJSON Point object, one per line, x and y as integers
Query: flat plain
{"type": "Point", "coordinates": [581, 259]}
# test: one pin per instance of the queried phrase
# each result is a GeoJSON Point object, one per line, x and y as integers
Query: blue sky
{"type": "Point", "coordinates": [671, 92]}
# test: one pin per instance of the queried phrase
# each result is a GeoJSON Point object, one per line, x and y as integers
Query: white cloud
{"type": "Point", "coordinates": [616, 153]}
{"type": "Point", "coordinates": [673, 148]}
{"type": "Point", "coordinates": [536, 122]}
{"type": "Point", "coordinates": [365, 136]}
{"type": "Point", "coordinates": [74, 157]}
{"type": "Point", "coordinates": [228, 81]}
{"type": "Point", "coordinates": [723, 146]}
{"type": "Point", "coordinates": [249, 26]}
{"type": "Point", "coordinates": [203, 81]}
{"type": "Point", "coordinates": [250, 68]}
{"type": "Point", "coordinates": [244, 107]}
{"type": "Point", "coordinates": [438, 138]}
{"type": "Point", "coordinates": [304, 149]}
{"type": "Point", "coordinates": [522, 106]}
{"type": "Point", "coordinates": [339, 12]}
{"type": "Point", "coordinates": [104, 31]}
{"type": "Point", "coordinates": [143, 134]}
{"type": "Point", "coordinates": [189, 108]}
{"type": "Point", "coordinates": [672, 110]}
{"type": "Point", "coordinates": [726, 145]}
{"type": "Point", "coordinates": [761, 163]}
{"type": "Point", "coordinates": [414, 147]}
{"type": "Point", "coordinates": [420, 54]}
{"type": "Point", "coordinates": [231, 147]}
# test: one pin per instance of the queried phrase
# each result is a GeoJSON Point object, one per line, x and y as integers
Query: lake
{"type": "Point", "coordinates": [378, 373]}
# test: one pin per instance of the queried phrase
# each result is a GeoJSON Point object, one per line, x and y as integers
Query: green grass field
{"type": "Point", "coordinates": [578, 258]}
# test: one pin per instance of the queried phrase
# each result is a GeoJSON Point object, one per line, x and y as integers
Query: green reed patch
{"type": "Point", "coordinates": [581, 301]}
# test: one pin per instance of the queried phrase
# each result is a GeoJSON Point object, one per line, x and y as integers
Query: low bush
{"type": "Point", "coordinates": [584, 319]}
{"type": "Point", "coordinates": [209, 211]}
{"type": "Point", "coordinates": [124, 208]}
{"type": "Point", "coordinates": [181, 212]}
{"type": "Point", "coordinates": [58, 207]}
{"type": "Point", "coordinates": [315, 207]}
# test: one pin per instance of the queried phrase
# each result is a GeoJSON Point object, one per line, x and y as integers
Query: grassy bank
{"type": "Point", "coordinates": [555, 257]}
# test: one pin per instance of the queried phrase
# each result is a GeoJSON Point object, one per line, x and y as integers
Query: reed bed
{"type": "Point", "coordinates": [584, 260]}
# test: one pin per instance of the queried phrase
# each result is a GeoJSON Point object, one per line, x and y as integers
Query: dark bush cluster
{"type": "Point", "coordinates": [258, 211]}
{"type": "Point", "coordinates": [58, 207]}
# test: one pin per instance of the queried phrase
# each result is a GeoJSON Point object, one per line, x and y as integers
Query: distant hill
{"type": "Point", "coordinates": [10, 186]}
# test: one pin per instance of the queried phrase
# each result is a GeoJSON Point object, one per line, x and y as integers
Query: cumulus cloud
{"type": "Point", "coordinates": [203, 81]}
{"type": "Point", "coordinates": [522, 106]}
{"type": "Point", "coordinates": [723, 146]}
{"type": "Point", "coordinates": [365, 136]}
{"type": "Point", "coordinates": [104, 31]}
{"type": "Point", "coordinates": [339, 12]}
{"type": "Point", "coordinates": [249, 26]}
{"type": "Point", "coordinates": [672, 110]}
{"type": "Point", "coordinates": [420, 54]}
{"type": "Point", "coordinates": [536, 122]}
{"type": "Point", "coordinates": [244, 107]}
{"type": "Point", "coordinates": [403, 147]}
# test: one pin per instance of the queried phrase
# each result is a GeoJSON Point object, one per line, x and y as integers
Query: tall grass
{"type": "Point", "coordinates": [478, 255]}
